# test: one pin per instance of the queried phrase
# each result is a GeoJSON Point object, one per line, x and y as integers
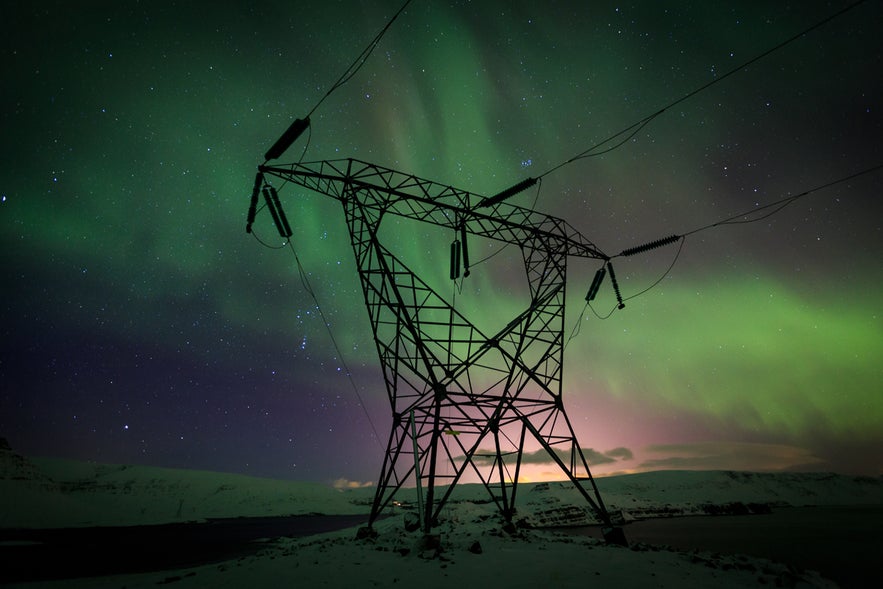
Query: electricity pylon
{"type": "Point", "coordinates": [458, 395]}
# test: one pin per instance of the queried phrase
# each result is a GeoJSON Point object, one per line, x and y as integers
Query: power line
{"type": "Point", "coordinates": [300, 125]}
{"type": "Point", "coordinates": [745, 217]}
{"type": "Point", "coordinates": [740, 218]}
{"type": "Point", "coordinates": [305, 281]}
{"type": "Point", "coordinates": [281, 224]}
{"type": "Point", "coordinates": [360, 60]}
{"type": "Point", "coordinates": [634, 128]}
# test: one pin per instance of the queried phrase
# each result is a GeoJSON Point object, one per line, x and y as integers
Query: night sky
{"type": "Point", "coordinates": [141, 324]}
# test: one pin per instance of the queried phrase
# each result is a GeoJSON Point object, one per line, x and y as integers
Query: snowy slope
{"type": "Point", "coordinates": [474, 547]}
{"type": "Point", "coordinates": [473, 551]}
{"type": "Point", "coordinates": [44, 492]}
{"type": "Point", "coordinates": [680, 493]}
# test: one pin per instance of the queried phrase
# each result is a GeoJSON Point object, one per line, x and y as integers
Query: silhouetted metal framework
{"type": "Point", "coordinates": [459, 397]}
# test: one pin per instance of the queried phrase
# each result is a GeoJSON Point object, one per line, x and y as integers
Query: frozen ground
{"type": "Point", "coordinates": [473, 547]}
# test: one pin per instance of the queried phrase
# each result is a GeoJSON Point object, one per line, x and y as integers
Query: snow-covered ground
{"type": "Point", "coordinates": [474, 548]}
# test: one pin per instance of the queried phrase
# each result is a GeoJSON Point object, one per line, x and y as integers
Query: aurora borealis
{"type": "Point", "coordinates": [140, 324]}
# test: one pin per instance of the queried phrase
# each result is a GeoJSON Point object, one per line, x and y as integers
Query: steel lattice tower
{"type": "Point", "coordinates": [456, 394]}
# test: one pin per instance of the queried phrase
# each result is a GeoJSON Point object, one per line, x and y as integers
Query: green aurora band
{"type": "Point", "coordinates": [128, 226]}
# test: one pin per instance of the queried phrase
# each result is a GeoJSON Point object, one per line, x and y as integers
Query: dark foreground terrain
{"type": "Point", "coordinates": [844, 544]}
{"type": "Point", "coordinates": [40, 555]}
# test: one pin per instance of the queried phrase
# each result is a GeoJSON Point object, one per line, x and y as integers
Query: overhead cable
{"type": "Point", "coordinates": [634, 128]}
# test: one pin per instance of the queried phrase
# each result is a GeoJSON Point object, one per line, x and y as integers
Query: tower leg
{"type": "Point", "coordinates": [614, 535]}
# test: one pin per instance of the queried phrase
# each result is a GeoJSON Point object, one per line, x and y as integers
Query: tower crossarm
{"type": "Point", "coordinates": [393, 192]}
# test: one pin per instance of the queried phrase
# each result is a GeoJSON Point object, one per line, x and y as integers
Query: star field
{"type": "Point", "coordinates": [140, 324]}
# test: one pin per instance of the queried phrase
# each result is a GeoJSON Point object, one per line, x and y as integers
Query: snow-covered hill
{"type": "Point", "coordinates": [681, 493]}
{"type": "Point", "coordinates": [46, 493]}
{"type": "Point", "coordinates": [49, 493]}
{"type": "Point", "coordinates": [474, 550]}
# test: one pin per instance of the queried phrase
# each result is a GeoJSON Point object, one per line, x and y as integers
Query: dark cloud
{"type": "Point", "coordinates": [729, 456]}
{"type": "Point", "coordinates": [593, 457]}
{"type": "Point", "coordinates": [620, 453]}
